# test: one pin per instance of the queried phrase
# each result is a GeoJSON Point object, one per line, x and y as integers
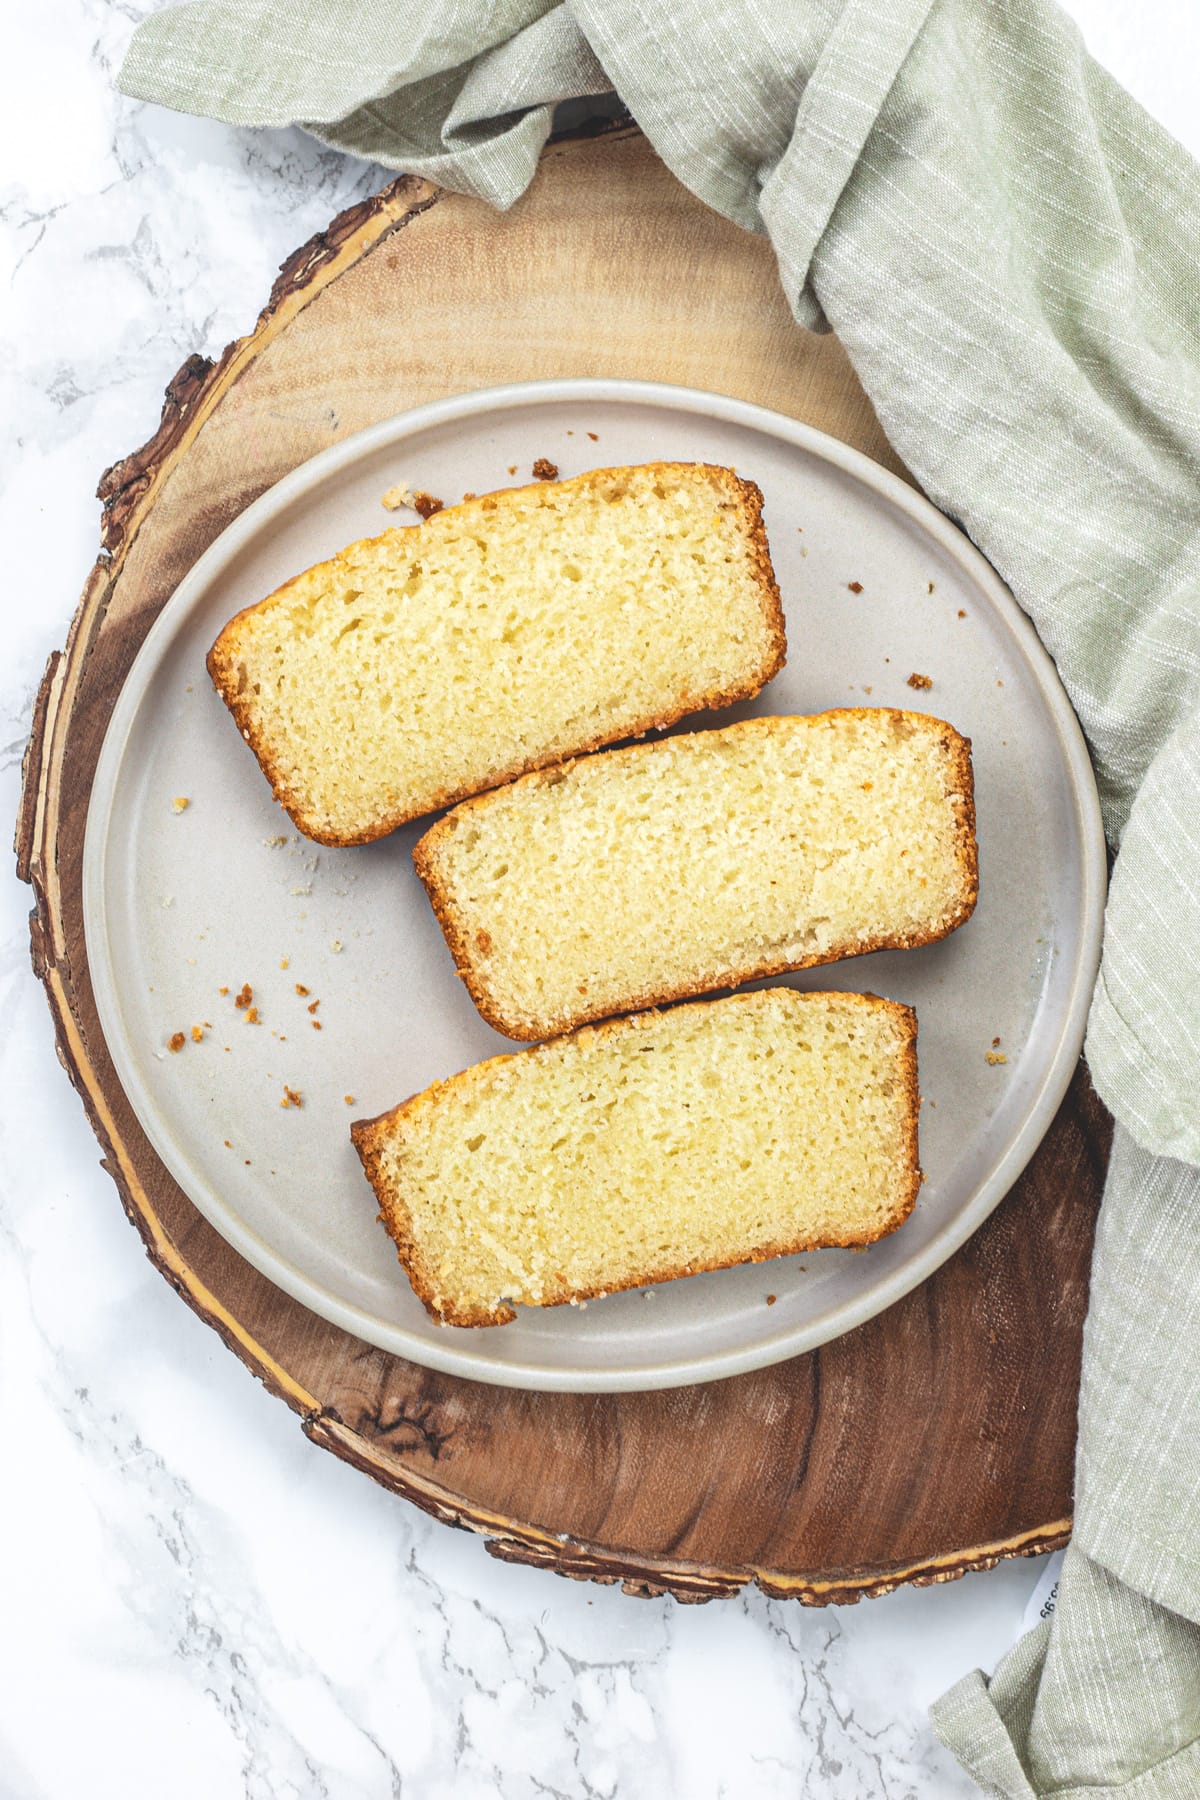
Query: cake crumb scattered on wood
{"type": "Point", "coordinates": [301, 989]}
{"type": "Point", "coordinates": [243, 999]}
{"type": "Point", "coordinates": [856, 587]}
{"type": "Point", "coordinates": [176, 1042]}
{"type": "Point", "coordinates": [314, 1006]}
{"type": "Point", "coordinates": [398, 495]}
{"type": "Point", "coordinates": [252, 1017]}
{"type": "Point", "coordinates": [291, 1097]}
{"type": "Point", "coordinates": [197, 1034]}
{"type": "Point", "coordinates": [545, 470]}
{"type": "Point", "coordinates": [920, 681]}
{"type": "Point", "coordinates": [426, 504]}
{"type": "Point", "coordinates": [181, 803]}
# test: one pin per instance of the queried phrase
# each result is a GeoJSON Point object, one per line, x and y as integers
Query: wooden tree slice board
{"type": "Point", "coordinates": [936, 1439]}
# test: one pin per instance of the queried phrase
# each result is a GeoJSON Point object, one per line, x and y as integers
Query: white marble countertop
{"type": "Point", "coordinates": [194, 1601]}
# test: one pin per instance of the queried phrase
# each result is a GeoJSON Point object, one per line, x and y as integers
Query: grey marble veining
{"type": "Point", "coordinates": [195, 1602]}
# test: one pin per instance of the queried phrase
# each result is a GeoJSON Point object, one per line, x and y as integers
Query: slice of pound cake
{"type": "Point", "coordinates": [701, 861]}
{"type": "Point", "coordinates": [729, 1131]}
{"type": "Point", "coordinates": [501, 635]}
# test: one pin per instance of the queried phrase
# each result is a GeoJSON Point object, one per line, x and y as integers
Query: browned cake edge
{"type": "Point", "coordinates": [466, 953]}
{"type": "Point", "coordinates": [371, 1137]}
{"type": "Point", "coordinates": [222, 659]}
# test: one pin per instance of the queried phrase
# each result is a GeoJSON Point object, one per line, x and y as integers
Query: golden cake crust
{"type": "Point", "coordinates": [467, 952]}
{"type": "Point", "coordinates": [226, 654]}
{"type": "Point", "coordinates": [371, 1137]}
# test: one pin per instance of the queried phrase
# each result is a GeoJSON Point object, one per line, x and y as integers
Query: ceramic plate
{"type": "Point", "coordinates": [186, 906]}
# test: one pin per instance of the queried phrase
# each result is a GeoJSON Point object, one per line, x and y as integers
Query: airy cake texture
{"type": "Point", "coordinates": [498, 636]}
{"type": "Point", "coordinates": [723, 1132]}
{"type": "Point", "coordinates": [701, 861]}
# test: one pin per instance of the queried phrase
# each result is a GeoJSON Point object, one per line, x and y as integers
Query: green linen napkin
{"type": "Point", "coordinates": [1008, 248]}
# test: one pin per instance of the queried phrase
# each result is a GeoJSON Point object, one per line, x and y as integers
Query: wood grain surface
{"type": "Point", "coordinates": [936, 1439]}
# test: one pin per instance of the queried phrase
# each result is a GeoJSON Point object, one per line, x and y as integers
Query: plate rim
{"type": "Point", "coordinates": [693, 1369]}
